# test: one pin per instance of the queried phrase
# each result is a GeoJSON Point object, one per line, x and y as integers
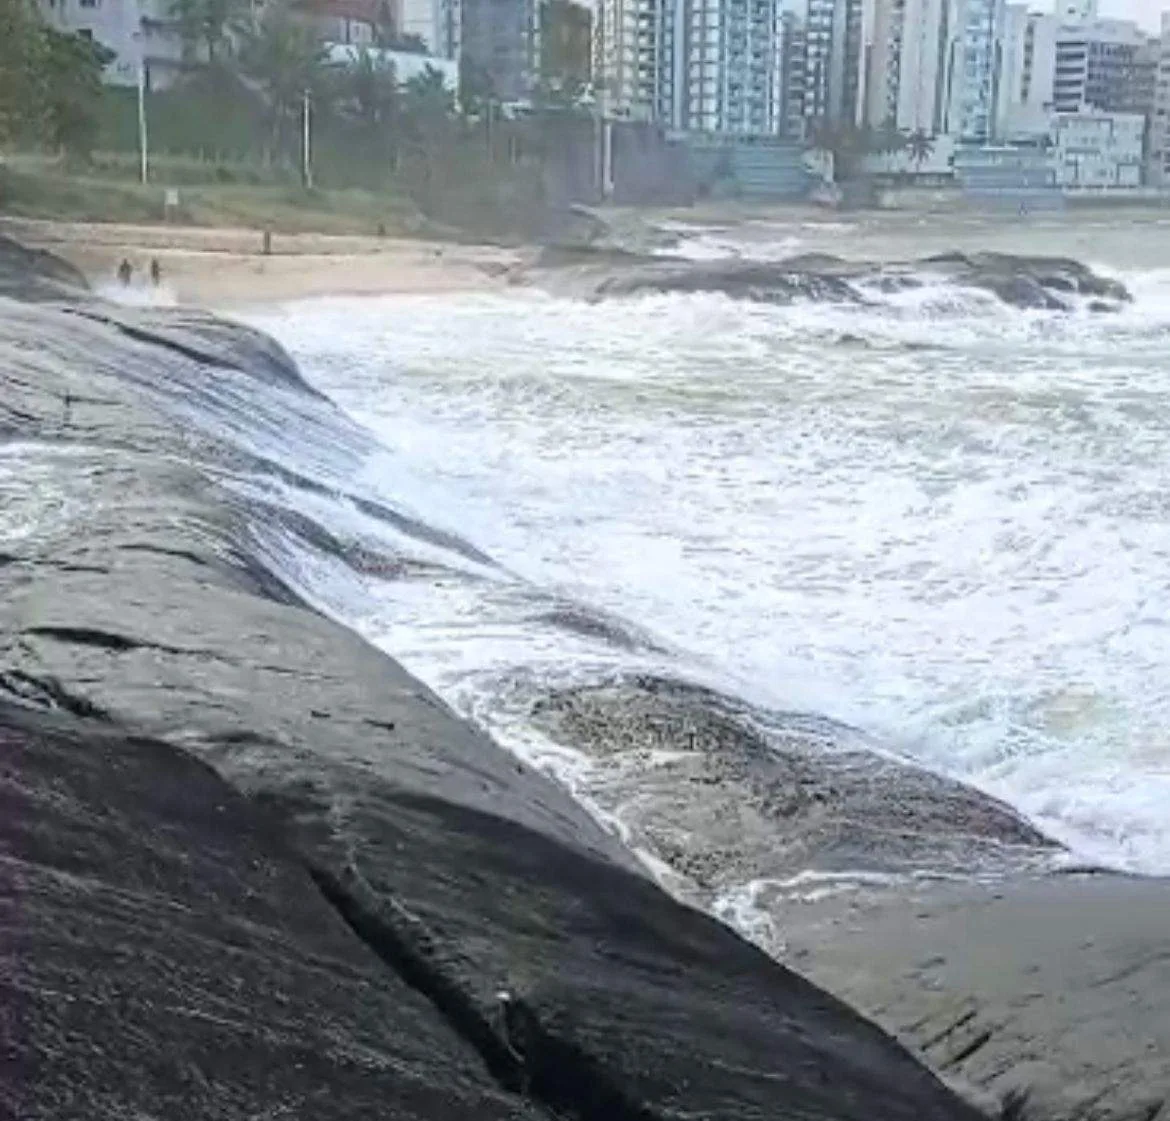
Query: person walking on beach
{"type": "Point", "coordinates": [125, 271]}
{"type": "Point", "coordinates": [155, 272]}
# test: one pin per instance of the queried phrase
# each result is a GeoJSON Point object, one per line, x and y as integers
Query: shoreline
{"type": "Point", "coordinates": [227, 266]}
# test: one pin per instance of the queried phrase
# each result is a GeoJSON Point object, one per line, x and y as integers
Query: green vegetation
{"type": "Point", "coordinates": [44, 189]}
{"type": "Point", "coordinates": [229, 134]}
{"type": "Point", "coordinates": [50, 83]}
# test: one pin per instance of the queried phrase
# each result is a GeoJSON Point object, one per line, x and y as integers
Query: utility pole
{"type": "Point", "coordinates": [143, 158]}
{"type": "Point", "coordinates": [306, 151]}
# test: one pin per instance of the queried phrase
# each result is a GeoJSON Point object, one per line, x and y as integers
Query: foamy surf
{"type": "Point", "coordinates": [924, 534]}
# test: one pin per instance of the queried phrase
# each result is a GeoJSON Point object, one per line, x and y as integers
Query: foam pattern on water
{"type": "Point", "coordinates": [941, 520]}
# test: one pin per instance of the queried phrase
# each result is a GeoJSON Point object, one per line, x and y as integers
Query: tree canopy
{"type": "Point", "coordinates": [50, 82]}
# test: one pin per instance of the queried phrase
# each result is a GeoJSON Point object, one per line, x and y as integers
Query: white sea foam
{"type": "Point", "coordinates": [940, 520]}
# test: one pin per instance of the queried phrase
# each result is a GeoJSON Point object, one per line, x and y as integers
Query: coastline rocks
{"type": "Point", "coordinates": [1039, 992]}
{"type": "Point", "coordinates": [164, 952]}
{"type": "Point", "coordinates": [527, 963]}
{"type": "Point", "coordinates": [725, 799]}
{"type": "Point", "coordinates": [1040, 283]}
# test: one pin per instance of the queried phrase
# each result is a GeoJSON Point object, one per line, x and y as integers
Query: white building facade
{"type": "Point", "coordinates": [694, 65]}
{"type": "Point", "coordinates": [143, 34]}
{"type": "Point", "coordinates": [1026, 98]}
{"type": "Point", "coordinates": [909, 65]}
{"type": "Point", "coordinates": [1098, 151]}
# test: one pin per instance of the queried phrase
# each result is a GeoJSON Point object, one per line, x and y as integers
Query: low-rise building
{"type": "Point", "coordinates": [1098, 151]}
{"type": "Point", "coordinates": [407, 64]}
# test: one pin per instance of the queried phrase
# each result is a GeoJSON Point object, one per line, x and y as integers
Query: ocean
{"type": "Point", "coordinates": [941, 521]}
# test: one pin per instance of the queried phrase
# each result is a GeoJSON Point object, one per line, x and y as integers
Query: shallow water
{"type": "Point", "coordinates": [941, 521]}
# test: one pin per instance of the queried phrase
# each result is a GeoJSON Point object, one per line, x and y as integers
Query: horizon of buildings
{"type": "Point", "coordinates": [1093, 93]}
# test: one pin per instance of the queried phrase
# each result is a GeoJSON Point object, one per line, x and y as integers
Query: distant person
{"type": "Point", "coordinates": [125, 271]}
{"type": "Point", "coordinates": [68, 409]}
{"type": "Point", "coordinates": [155, 272]}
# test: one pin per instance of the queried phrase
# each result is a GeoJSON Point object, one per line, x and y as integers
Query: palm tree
{"type": "Point", "coordinates": [920, 145]}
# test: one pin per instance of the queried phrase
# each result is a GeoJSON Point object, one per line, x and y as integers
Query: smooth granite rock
{"type": "Point", "coordinates": [526, 964]}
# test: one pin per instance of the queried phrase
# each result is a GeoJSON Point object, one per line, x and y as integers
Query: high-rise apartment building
{"type": "Point", "coordinates": [835, 63]}
{"type": "Point", "coordinates": [697, 65]}
{"type": "Point", "coordinates": [1159, 155]}
{"type": "Point", "coordinates": [975, 67]}
{"type": "Point", "coordinates": [1026, 98]}
{"type": "Point", "coordinates": [909, 65]}
{"type": "Point", "coordinates": [1105, 65]}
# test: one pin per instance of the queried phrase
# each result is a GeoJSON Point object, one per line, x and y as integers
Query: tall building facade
{"type": "Point", "coordinates": [837, 49]}
{"type": "Point", "coordinates": [143, 34]}
{"type": "Point", "coordinates": [1159, 156]}
{"type": "Point", "coordinates": [695, 65]}
{"type": "Point", "coordinates": [1026, 95]}
{"type": "Point", "coordinates": [909, 65]}
{"type": "Point", "coordinates": [1105, 65]}
{"type": "Point", "coordinates": [975, 67]}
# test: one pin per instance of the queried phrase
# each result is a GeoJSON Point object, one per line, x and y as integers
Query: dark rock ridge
{"type": "Point", "coordinates": [1042, 283]}
{"type": "Point", "coordinates": [927, 904]}
{"type": "Point", "coordinates": [250, 868]}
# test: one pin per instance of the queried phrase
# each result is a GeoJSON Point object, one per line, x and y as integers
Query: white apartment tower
{"type": "Point", "coordinates": [695, 65]}
{"type": "Point", "coordinates": [909, 65]}
{"type": "Point", "coordinates": [1026, 96]}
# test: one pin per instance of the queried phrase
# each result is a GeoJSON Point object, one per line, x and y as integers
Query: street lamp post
{"type": "Point", "coordinates": [306, 151]}
{"type": "Point", "coordinates": [143, 143]}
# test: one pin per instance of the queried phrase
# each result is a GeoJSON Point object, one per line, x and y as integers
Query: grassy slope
{"type": "Point", "coordinates": [42, 193]}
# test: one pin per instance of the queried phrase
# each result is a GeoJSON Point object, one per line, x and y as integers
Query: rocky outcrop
{"type": "Point", "coordinates": [1042, 991]}
{"type": "Point", "coordinates": [1041, 283]}
{"type": "Point", "coordinates": [251, 868]}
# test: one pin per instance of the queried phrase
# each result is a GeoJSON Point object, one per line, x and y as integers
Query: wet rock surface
{"type": "Point", "coordinates": [1037, 990]}
{"type": "Point", "coordinates": [726, 799]}
{"type": "Point", "coordinates": [1037, 283]}
{"type": "Point", "coordinates": [254, 869]}
{"type": "Point", "coordinates": [163, 951]}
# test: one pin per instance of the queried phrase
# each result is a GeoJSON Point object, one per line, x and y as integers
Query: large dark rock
{"type": "Point", "coordinates": [145, 596]}
{"type": "Point", "coordinates": [1043, 283]}
{"type": "Point", "coordinates": [1042, 991]}
{"type": "Point", "coordinates": [164, 952]}
{"type": "Point", "coordinates": [33, 274]}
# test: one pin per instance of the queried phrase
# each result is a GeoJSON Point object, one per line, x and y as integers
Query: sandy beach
{"type": "Point", "coordinates": [218, 267]}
